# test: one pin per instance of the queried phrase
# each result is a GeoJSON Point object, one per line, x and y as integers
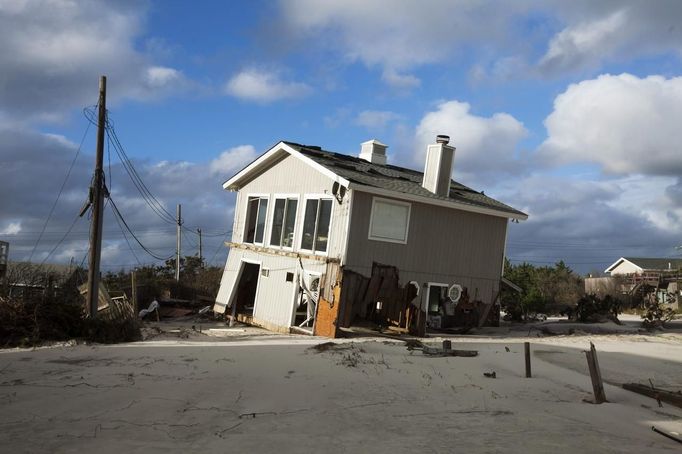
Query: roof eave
{"type": "Point", "coordinates": [438, 202]}
{"type": "Point", "coordinates": [233, 184]}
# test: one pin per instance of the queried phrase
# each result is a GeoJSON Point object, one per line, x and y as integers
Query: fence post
{"type": "Point", "coordinates": [595, 375]}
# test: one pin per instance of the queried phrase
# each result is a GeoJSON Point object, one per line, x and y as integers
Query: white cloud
{"type": "Point", "coordinates": [585, 42]}
{"type": "Point", "coordinates": [623, 123]}
{"type": "Point", "coordinates": [399, 35]}
{"type": "Point", "coordinates": [396, 34]}
{"type": "Point", "coordinates": [263, 86]}
{"type": "Point", "coordinates": [400, 81]}
{"type": "Point", "coordinates": [52, 54]}
{"type": "Point", "coordinates": [597, 32]}
{"type": "Point", "coordinates": [205, 204]}
{"type": "Point", "coordinates": [161, 76]}
{"type": "Point", "coordinates": [376, 119]}
{"type": "Point", "coordinates": [484, 144]}
{"type": "Point", "coordinates": [11, 229]}
{"type": "Point", "coordinates": [232, 160]}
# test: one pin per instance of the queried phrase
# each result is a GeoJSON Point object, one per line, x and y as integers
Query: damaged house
{"type": "Point", "coordinates": [322, 241]}
{"type": "Point", "coordinates": [658, 278]}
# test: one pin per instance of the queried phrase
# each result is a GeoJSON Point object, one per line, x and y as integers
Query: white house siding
{"type": "Point", "coordinates": [274, 296]}
{"type": "Point", "coordinates": [292, 176]}
{"type": "Point", "coordinates": [626, 267]}
{"type": "Point", "coordinates": [444, 245]}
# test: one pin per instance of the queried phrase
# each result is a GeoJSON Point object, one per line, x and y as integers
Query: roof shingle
{"type": "Point", "coordinates": [394, 178]}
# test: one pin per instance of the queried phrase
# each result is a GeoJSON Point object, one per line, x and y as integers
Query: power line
{"type": "Point", "coordinates": [148, 197]}
{"type": "Point", "coordinates": [60, 241]}
{"type": "Point", "coordinates": [61, 189]}
{"type": "Point", "coordinates": [126, 238]}
{"type": "Point", "coordinates": [118, 213]}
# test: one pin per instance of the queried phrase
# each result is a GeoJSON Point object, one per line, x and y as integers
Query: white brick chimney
{"type": "Point", "coordinates": [374, 152]}
{"type": "Point", "coordinates": [438, 167]}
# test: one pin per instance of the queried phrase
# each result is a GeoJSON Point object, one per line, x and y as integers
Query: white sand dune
{"type": "Point", "coordinates": [277, 394]}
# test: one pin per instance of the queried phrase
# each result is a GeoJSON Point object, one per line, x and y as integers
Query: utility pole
{"type": "Point", "coordinates": [177, 254]}
{"type": "Point", "coordinates": [97, 194]}
{"type": "Point", "coordinates": [201, 261]}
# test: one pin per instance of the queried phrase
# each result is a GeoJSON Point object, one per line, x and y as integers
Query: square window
{"type": "Point", "coordinates": [290, 276]}
{"type": "Point", "coordinates": [389, 221]}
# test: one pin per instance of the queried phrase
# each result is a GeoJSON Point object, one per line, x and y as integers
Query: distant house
{"type": "Point", "coordinates": [25, 280]}
{"type": "Point", "coordinates": [321, 240]}
{"type": "Point", "coordinates": [649, 277]}
{"type": "Point", "coordinates": [638, 265]}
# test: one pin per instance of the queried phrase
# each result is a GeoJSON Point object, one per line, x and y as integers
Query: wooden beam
{"type": "Point", "coordinates": [265, 250]}
{"type": "Point", "coordinates": [595, 375]}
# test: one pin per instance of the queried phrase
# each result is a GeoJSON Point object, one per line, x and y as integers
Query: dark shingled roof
{"type": "Point", "coordinates": [655, 263]}
{"type": "Point", "coordinates": [394, 178]}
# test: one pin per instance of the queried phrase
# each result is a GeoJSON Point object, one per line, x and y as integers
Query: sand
{"type": "Point", "coordinates": [265, 393]}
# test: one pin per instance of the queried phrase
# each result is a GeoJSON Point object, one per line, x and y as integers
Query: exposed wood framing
{"type": "Point", "coordinates": [267, 250]}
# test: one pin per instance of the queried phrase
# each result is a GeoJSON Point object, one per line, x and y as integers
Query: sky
{"type": "Point", "coordinates": [568, 111]}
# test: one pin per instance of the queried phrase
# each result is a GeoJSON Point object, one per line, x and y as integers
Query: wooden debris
{"type": "Point", "coordinates": [670, 397]}
{"type": "Point", "coordinates": [666, 434]}
{"type": "Point", "coordinates": [595, 375]}
{"type": "Point", "coordinates": [414, 344]}
{"type": "Point", "coordinates": [526, 349]}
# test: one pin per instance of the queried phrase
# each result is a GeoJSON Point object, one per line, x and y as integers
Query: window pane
{"type": "Point", "coordinates": [389, 220]}
{"type": "Point", "coordinates": [277, 221]}
{"type": "Point", "coordinates": [323, 225]}
{"type": "Point", "coordinates": [289, 223]}
{"type": "Point", "coordinates": [309, 224]}
{"type": "Point", "coordinates": [260, 224]}
{"type": "Point", "coordinates": [250, 227]}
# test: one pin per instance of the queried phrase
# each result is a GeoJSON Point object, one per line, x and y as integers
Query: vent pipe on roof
{"type": "Point", "coordinates": [374, 152]}
{"type": "Point", "coordinates": [438, 166]}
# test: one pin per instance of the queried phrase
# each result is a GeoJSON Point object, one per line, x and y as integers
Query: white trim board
{"type": "Point", "coordinates": [233, 183]}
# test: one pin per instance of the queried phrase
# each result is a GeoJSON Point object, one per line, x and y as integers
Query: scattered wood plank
{"type": "Point", "coordinates": [436, 352]}
{"type": "Point", "coordinates": [595, 375]}
{"type": "Point", "coordinates": [666, 434]}
{"type": "Point", "coordinates": [526, 349]}
{"type": "Point", "coordinates": [670, 397]}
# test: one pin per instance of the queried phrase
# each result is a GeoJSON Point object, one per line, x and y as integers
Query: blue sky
{"type": "Point", "coordinates": [567, 110]}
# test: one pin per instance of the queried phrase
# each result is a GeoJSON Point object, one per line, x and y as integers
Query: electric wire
{"type": "Point", "coordinates": [61, 189]}
{"type": "Point", "coordinates": [153, 203]}
{"type": "Point", "coordinates": [60, 241]}
{"type": "Point", "coordinates": [120, 226]}
{"type": "Point", "coordinates": [147, 250]}
{"type": "Point", "coordinates": [220, 246]}
{"type": "Point", "coordinates": [149, 198]}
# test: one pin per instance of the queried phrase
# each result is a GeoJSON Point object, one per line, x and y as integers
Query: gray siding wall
{"type": "Point", "coordinates": [444, 245]}
{"type": "Point", "coordinates": [292, 176]}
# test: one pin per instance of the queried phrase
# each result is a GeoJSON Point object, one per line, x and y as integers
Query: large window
{"type": "Point", "coordinates": [283, 222]}
{"type": "Point", "coordinates": [389, 221]}
{"type": "Point", "coordinates": [318, 213]}
{"type": "Point", "coordinates": [256, 210]}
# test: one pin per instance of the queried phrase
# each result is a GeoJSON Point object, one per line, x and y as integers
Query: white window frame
{"type": "Point", "coordinates": [302, 217]}
{"type": "Point", "coordinates": [246, 218]}
{"type": "Point", "coordinates": [429, 285]}
{"type": "Point", "coordinates": [371, 220]}
{"type": "Point", "coordinates": [271, 218]}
